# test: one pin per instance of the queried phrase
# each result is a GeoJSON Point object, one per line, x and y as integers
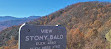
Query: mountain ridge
{"type": "Point", "coordinates": [8, 21]}
{"type": "Point", "coordinates": [6, 18]}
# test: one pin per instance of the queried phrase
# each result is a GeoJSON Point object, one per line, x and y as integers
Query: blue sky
{"type": "Point", "coordinates": [26, 8]}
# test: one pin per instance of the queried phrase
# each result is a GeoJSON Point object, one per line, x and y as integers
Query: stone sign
{"type": "Point", "coordinates": [42, 37]}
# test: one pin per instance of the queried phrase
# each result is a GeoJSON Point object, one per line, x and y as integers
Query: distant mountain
{"type": "Point", "coordinates": [6, 18]}
{"type": "Point", "coordinates": [33, 17]}
{"type": "Point", "coordinates": [8, 21]}
{"type": "Point", "coordinates": [87, 24]}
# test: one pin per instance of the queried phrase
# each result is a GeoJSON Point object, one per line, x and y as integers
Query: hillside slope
{"type": "Point", "coordinates": [87, 24]}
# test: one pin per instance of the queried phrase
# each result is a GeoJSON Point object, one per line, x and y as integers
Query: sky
{"type": "Point", "coordinates": [26, 8]}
